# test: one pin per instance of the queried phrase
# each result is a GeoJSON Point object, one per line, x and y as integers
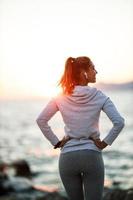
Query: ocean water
{"type": "Point", "coordinates": [20, 138]}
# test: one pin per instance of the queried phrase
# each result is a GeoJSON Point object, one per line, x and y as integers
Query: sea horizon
{"type": "Point", "coordinates": [100, 85]}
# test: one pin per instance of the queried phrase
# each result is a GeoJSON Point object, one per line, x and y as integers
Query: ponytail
{"type": "Point", "coordinates": [67, 80]}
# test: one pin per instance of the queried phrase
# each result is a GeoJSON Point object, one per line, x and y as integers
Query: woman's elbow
{"type": "Point", "coordinates": [38, 121]}
{"type": "Point", "coordinates": [41, 121]}
{"type": "Point", "coordinates": [121, 123]}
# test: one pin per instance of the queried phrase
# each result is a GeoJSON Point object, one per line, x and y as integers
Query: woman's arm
{"type": "Point", "coordinates": [43, 119]}
{"type": "Point", "coordinates": [118, 121]}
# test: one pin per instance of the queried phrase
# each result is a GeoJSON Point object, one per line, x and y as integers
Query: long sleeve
{"type": "Point", "coordinates": [43, 119]}
{"type": "Point", "coordinates": [118, 121]}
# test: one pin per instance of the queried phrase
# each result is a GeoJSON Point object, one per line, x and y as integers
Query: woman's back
{"type": "Point", "coordinates": [80, 112]}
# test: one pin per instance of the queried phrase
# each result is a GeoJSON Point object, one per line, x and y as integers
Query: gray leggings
{"type": "Point", "coordinates": [82, 174]}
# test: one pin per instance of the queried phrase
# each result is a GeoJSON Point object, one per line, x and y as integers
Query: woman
{"type": "Point", "coordinates": [81, 164]}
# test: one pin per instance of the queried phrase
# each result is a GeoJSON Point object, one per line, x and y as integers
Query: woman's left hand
{"type": "Point", "coordinates": [100, 144]}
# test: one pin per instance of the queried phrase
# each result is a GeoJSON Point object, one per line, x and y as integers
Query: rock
{"type": "Point", "coordinates": [129, 195]}
{"type": "Point", "coordinates": [3, 179]}
{"type": "Point", "coordinates": [116, 183]}
{"type": "Point", "coordinates": [53, 196]}
{"type": "Point", "coordinates": [15, 185]}
{"type": "Point", "coordinates": [118, 194]}
{"type": "Point", "coordinates": [114, 194]}
{"type": "Point", "coordinates": [5, 189]}
{"type": "Point", "coordinates": [18, 184]}
{"type": "Point", "coordinates": [22, 168]}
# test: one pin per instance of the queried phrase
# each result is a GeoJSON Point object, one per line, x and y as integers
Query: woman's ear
{"type": "Point", "coordinates": [85, 74]}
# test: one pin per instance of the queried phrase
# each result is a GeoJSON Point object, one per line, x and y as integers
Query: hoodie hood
{"type": "Point", "coordinates": [82, 94]}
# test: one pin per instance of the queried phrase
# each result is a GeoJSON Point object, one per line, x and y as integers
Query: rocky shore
{"type": "Point", "coordinates": [21, 187]}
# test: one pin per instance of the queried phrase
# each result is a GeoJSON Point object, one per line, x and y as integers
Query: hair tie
{"type": "Point", "coordinates": [72, 60]}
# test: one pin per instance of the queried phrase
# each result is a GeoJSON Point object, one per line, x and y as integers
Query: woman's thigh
{"type": "Point", "coordinates": [93, 175]}
{"type": "Point", "coordinates": [69, 170]}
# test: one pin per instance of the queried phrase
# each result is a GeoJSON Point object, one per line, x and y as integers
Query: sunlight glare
{"type": "Point", "coordinates": [47, 91]}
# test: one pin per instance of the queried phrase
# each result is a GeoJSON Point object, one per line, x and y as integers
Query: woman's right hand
{"type": "Point", "coordinates": [100, 144]}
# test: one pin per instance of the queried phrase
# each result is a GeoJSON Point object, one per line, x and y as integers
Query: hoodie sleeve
{"type": "Point", "coordinates": [118, 121]}
{"type": "Point", "coordinates": [42, 121]}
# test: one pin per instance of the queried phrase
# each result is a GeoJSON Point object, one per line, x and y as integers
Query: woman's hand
{"type": "Point", "coordinates": [100, 144]}
{"type": "Point", "coordinates": [62, 142]}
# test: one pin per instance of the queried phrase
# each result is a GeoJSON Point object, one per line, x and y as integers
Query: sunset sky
{"type": "Point", "coordinates": [37, 36]}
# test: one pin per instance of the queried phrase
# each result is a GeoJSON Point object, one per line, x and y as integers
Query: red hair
{"type": "Point", "coordinates": [71, 75]}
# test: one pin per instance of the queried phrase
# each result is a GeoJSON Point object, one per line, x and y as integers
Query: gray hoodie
{"type": "Point", "coordinates": [80, 112]}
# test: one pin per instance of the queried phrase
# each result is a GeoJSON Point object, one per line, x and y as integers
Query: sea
{"type": "Point", "coordinates": [20, 138]}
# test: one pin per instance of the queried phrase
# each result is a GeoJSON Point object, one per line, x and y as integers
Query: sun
{"type": "Point", "coordinates": [46, 90]}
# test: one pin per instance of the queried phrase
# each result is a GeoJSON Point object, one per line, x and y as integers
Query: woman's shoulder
{"type": "Point", "coordinates": [102, 96]}
{"type": "Point", "coordinates": [99, 92]}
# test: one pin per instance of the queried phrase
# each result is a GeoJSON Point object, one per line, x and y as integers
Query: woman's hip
{"type": "Point", "coordinates": [81, 161]}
